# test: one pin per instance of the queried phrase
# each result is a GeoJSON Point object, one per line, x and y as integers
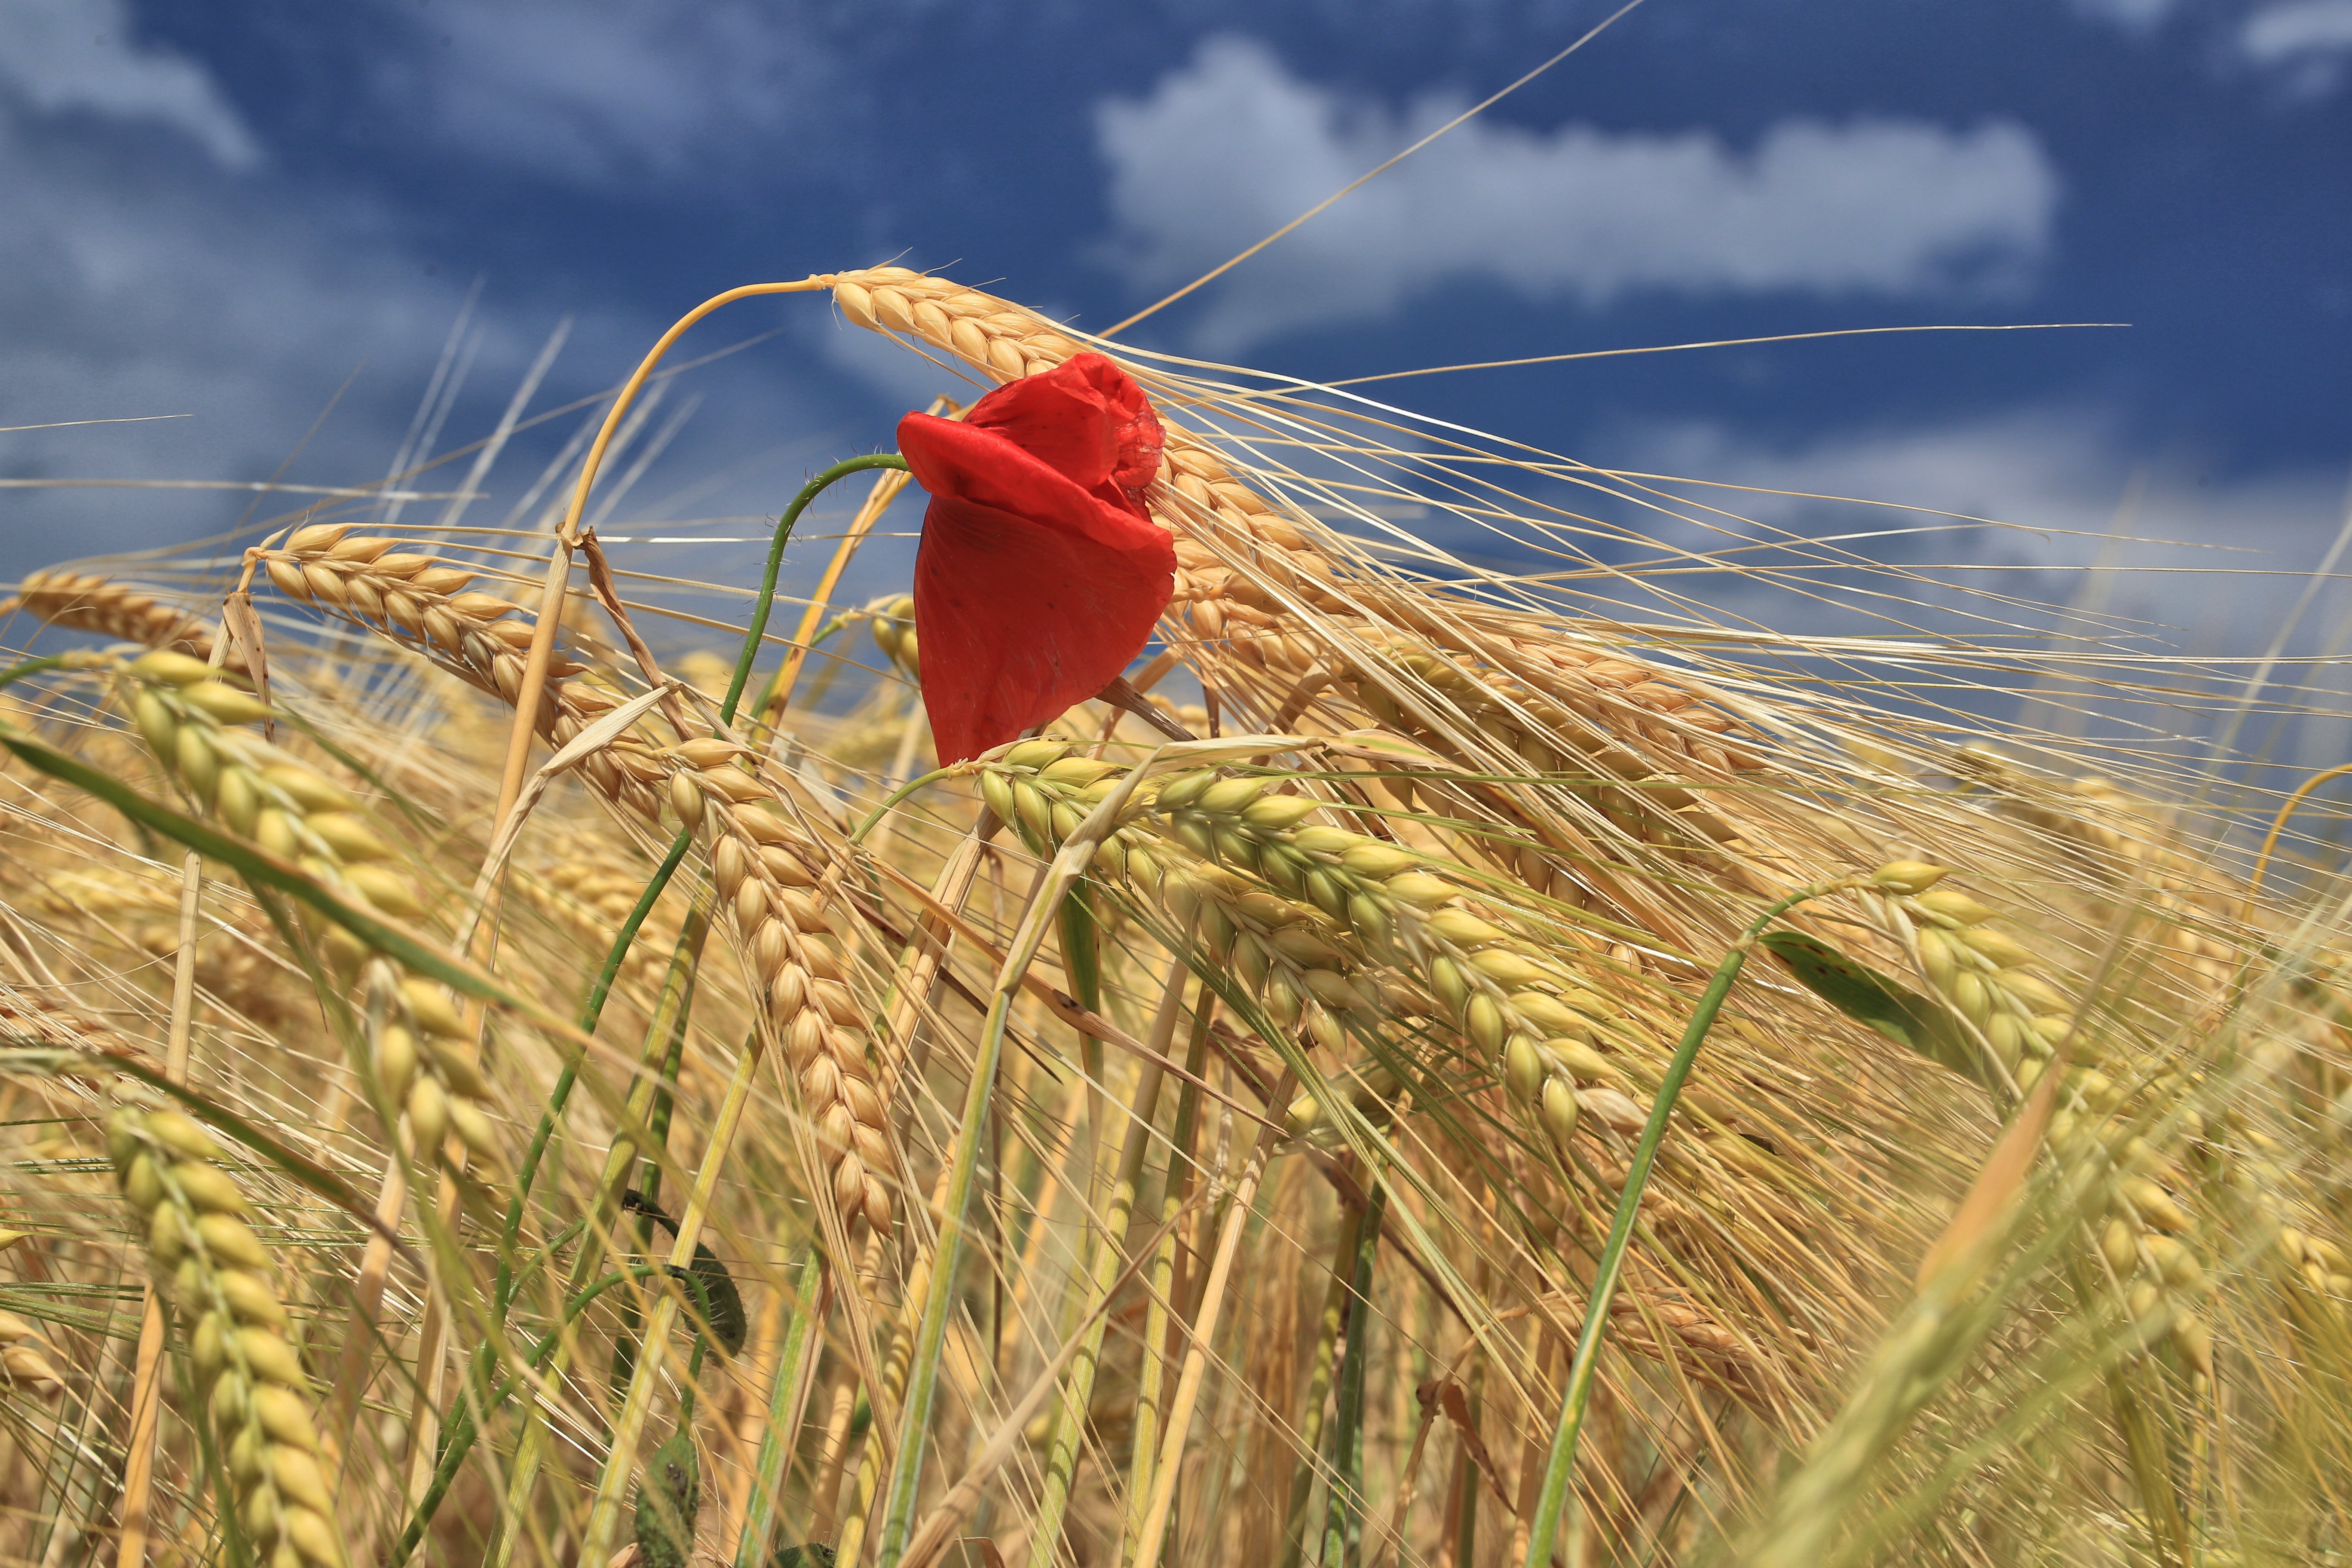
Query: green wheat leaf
{"type": "Point", "coordinates": [1866, 995]}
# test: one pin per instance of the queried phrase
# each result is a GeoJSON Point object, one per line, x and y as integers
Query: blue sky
{"type": "Point", "coordinates": [226, 210]}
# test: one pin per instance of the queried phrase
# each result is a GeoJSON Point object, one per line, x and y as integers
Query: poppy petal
{"type": "Point", "coordinates": [950, 457]}
{"type": "Point", "coordinates": [1018, 622]}
{"type": "Point", "coordinates": [1084, 418]}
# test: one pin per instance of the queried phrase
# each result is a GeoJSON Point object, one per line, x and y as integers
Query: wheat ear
{"type": "Point", "coordinates": [765, 863]}
{"type": "Point", "coordinates": [88, 602]}
{"type": "Point", "coordinates": [216, 1273]}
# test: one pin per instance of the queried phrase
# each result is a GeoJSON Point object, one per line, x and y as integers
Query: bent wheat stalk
{"type": "Point", "coordinates": [1559, 1465]}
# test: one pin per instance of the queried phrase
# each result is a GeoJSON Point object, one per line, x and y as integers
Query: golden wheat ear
{"type": "Point", "coordinates": [92, 602]}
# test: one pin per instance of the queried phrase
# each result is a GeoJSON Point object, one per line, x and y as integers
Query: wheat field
{"type": "Point", "coordinates": [1444, 1069]}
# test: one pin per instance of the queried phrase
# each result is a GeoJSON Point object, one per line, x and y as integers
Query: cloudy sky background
{"type": "Point", "coordinates": [249, 211]}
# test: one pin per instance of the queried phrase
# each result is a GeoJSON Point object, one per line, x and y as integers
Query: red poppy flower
{"type": "Point", "coordinates": [1040, 575]}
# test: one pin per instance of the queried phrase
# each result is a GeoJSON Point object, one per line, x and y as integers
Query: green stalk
{"type": "Point", "coordinates": [895, 1362]}
{"type": "Point", "coordinates": [1109, 1259]}
{"type": "Point", "coordinates": [956, 1197]}
{"type": "Point", "coordinates": [930, 1335]}
{"type": "Point", "coordinates": [824, 634]}
{"type": "Point", "coordinates": [930, 1338]}
{"type": "Point", "coordinates": [1068, 865]}
{"type": "Point", "coordinates": [649, 1168]}
{"type": "Point", "coordinates": [858, 835]}
{"type": "Point", "coordinates": [458, 1439]}
{"type": "Point", "coordinates": [612, 1481]}
{"type": "Point", "coordinates": [762, 606]}
{"type": "Point", "coordinates": [1559, 1469]}
{"type": "Point", "coordinates": [1343, 1528]}
{"type": "Point", "coordinates": [670, 1018]}
{"type": "Point", "coordinates": [530, 1456]}
{"type": "Point", "coordinates": [1082, 961]}
{"type": "Point", "coordinates": [795, 1362]}
{"type": "Point", "coordinates": [17, 672]}
{"type": "Point", "coordinates": [1081, 949]}
{"type": "Point", "coordinates": [262, 870]}
{"type": "Point", "coordinates": [591, 1012]}
{"type": "Point", "coordinates": [1158, 1343]}
{"type": "Point", "coordinates": [1318, 1388]}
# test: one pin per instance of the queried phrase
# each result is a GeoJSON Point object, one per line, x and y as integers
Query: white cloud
{"type": "Point", "coordinates": [2198, 563]}
{"type": "Point", "coordinates": [132, 284]}
{"type": "Point", "coordinates": [1229, 148]}
{"type": "Point", "coordinates": [2281, 33]}
{"type": "Point", "coordinates": [62, 55]}
{"type": "Point", "coordinates": [2133, 16]}
{"type": "Point", "coordinates": [596, 91]}
{"type": "Point", "coordinates": [2306, 44]}
{"type": "Point", "coordinates": [135, 283]}
{"type": "Point", "coordinates": [2309, 39]}
{"type": "Point", "coordinates": [126, 288]}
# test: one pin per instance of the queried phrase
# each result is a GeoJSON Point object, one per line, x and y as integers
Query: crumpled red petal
{"type": "Point", "coordinates": [1085, 418]}
{"type": "Point", "coordinates": [1040, 576]}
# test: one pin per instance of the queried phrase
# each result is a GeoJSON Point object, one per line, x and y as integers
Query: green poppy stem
{"type": "Point", "coordinates": [767, 599]}
{"type": "Point", "coordinates": [528, 1459]}
{"type": "Point", "coordinates": [1559, 1469]}
{"type": "Point", "coordinates": [592, 1008]}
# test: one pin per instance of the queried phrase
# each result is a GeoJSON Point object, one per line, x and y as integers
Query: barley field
{"type": "Point", "coordinates": [509, 1060]}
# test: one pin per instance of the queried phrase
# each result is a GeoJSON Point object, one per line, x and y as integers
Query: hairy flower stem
{"type": "Point", "coordinates": [1110, 1240]}
{"type": "Point", "coordinates": [592, 1008]}
{"type": "Point", "coordinates": [1559, 1469]}
{"type": "Point", "coordinates": [765, 603]}
{"type": "Point", "coordinates": [559, 565]}
{"type": "Point", "coordinates": [887, 486]}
